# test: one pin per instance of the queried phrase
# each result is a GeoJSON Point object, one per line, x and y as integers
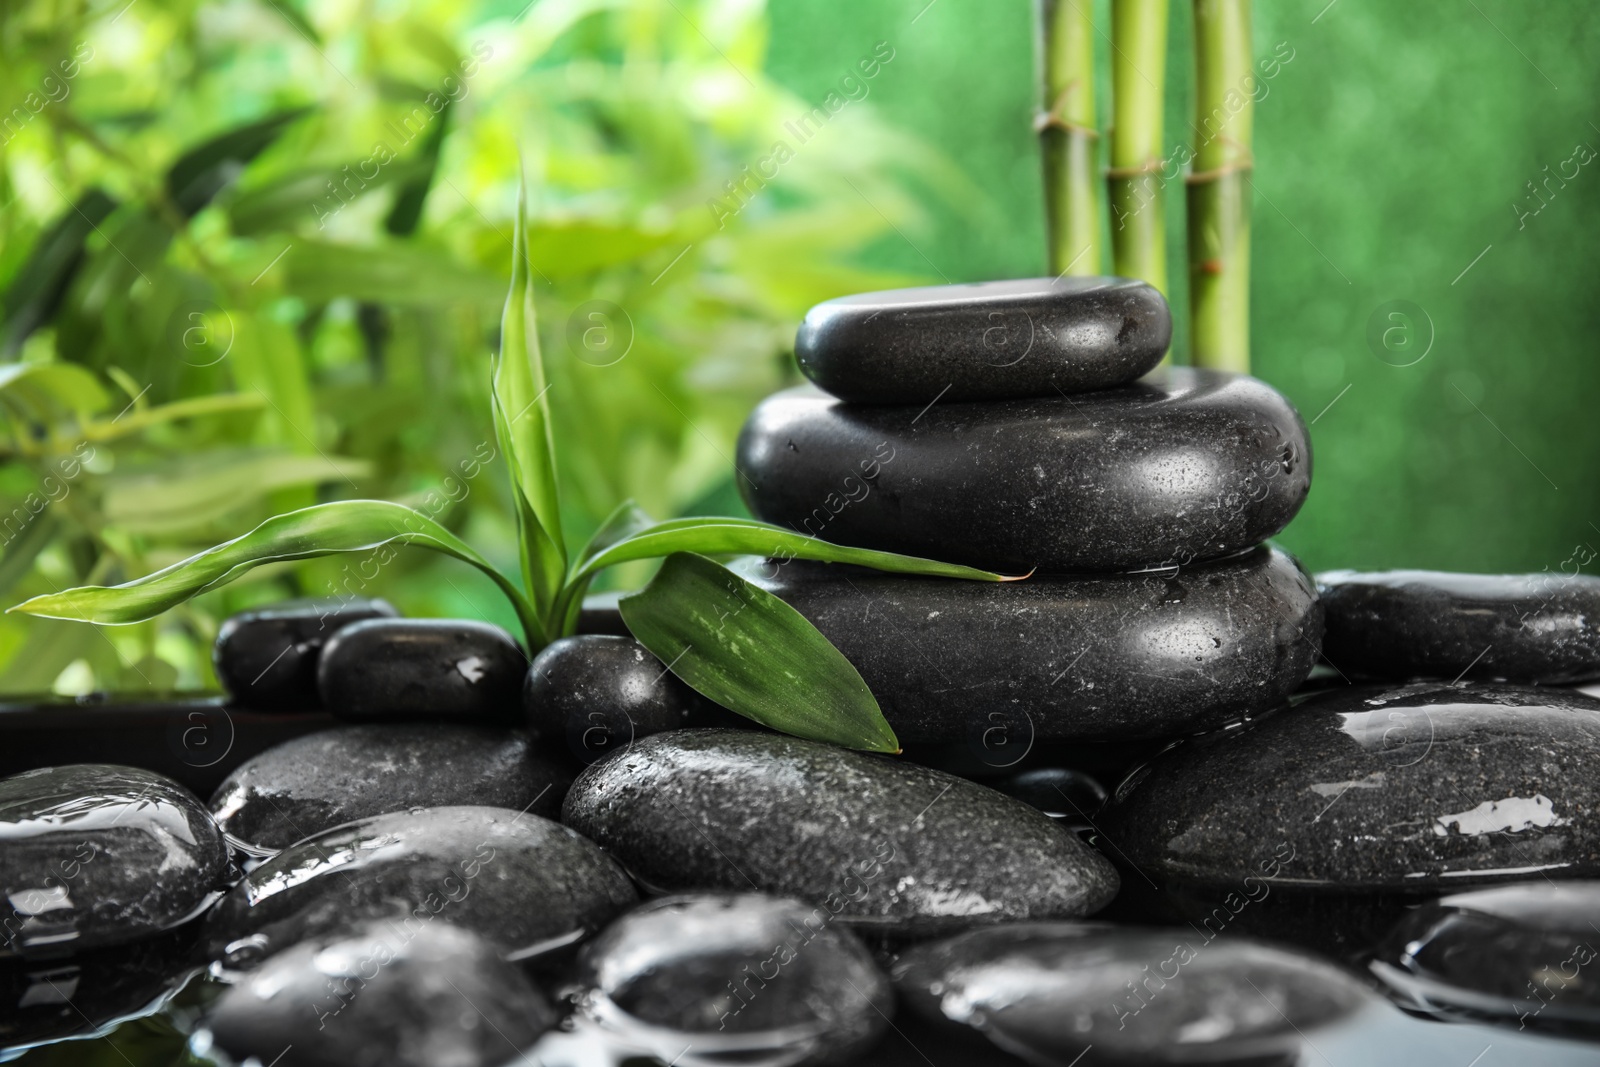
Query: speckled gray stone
{"type": "Point", "coordinates": [1048, 991]}
{"type": "Point", "coordinates": [1183, 465]}
{"type": "Point", "coordinates": [1533, 629]}
{"type": "Point", "coordinates": [885, 844]}
{"type": "Point", "coordinates": [267, 659]}
{"type": "Point", "coordinates": [436, 996]}
{"type": "Point", "coordinates": [1087, 658]}
{"type": "Point", "coordinates": [94, 854]}
{"type": "Point", "coordinates": [1526, 952]}
{"type": "Point", "coordinates": [740, 969]}
{"type": "Point", "coordinates": [457, 670]}
{"type": "Point", "coordinates": [1407, 789]}
{"type": "Point", "coordinates": [529, 885]}
{"type": "Point", "coordinates": [311, 783]}
{"type": "Point", "coordinates": [984, 340]}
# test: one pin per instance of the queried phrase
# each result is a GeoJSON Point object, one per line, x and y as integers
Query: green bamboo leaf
{"type": "Point", "coordinates": [205, 170]}
{"type": "Point", "coordinates": [625, 520]}
{"type": "Point", "coordinates": [742, 647]}
{"type": "Point", "coordinates": [38, 285]}
{"type": "Point", "coordinates": [323, 530]}
{"type": "Point", "coordinates": [46, 387]}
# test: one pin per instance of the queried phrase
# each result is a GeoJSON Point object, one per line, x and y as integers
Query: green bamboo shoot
{"type": "Point", "coordinates": [1068, 138]}
{"type": "Point", "coordinates": [1135, 183]}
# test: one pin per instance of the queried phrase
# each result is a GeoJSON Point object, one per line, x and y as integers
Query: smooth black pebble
{"type": "Point", "coordinates": [1068, 795]}
{"type": "Point", "coordinates": [267, 659]}
{"type": "Point", "coordinates": [397, 669]}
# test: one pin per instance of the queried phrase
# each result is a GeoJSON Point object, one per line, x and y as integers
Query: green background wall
{"type": "Point", "coordinates": [1390, 153]}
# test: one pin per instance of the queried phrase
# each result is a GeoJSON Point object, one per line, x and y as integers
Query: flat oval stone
{"type": "Point", "coordinates": [1406, 789]}
{"type": "Point", "coordinates": [1523, 952]}
{"type": "Point", "coordinates": [1082, 658]}
{"type": "Point", "coordinates": [1534, 629]}
{"type": "Point", "coordinates": [94, 854]}
{"type": "Point", "coordinates": [312, 783]}
{"type": "Point", "coordinates": [397, 669]}
{"type": "Point", "coordinates": [267, 659]}
{"type": "Point", "coordinates": [1183, 465]}
{"type": "Point", "coordinates": [744, 974]}
{"type": "Point", "coordinates": [528, 884]}
{"type": "Point", "coordinates": [1048, 991]}
{"type": "Point", "coordinates": [436, 996]}
{"type": "Point", "coordinates": [882, 844]}
{"type": "Point", "coordinates": [1026, 337]}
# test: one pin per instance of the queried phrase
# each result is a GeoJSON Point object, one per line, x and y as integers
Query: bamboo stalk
{"type": "Point", "coordinates": [1219, 187]}
{"type": "Point", "coordinates": [1068, 137]}
{"type": "Point", "coordinates": [1134, 183]}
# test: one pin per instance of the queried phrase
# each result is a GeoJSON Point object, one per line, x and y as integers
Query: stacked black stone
{"type": "Point", "coordinates": [1024, 426]}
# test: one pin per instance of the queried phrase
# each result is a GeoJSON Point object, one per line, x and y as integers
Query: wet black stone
{"type": "Point", "coordinates": [1027, 337]}
{"type": "Point", "coordinates": [1399, 790]}
{"type": "Point", "coordinates": [382, 997]}
{"type": "Point", "coordinates": [397, 669]}
{"type": "Point", "coordinates": [312, 783]}
{"type": "Point", "coordinates": [1525, 952]}
{"type": "Point", "coordinates": [887, 845]}
{"type": "Point", "coordinates": [1535, 629]}
{"type": "Point", "coordinates": [1086, 658]}
{"type": "Point", "coordinates": [529, 885]}
{"type": "Point", "coordinates": [94, 855]}
{"type": "Point", "coordinates": [1048, 991]}
{"type": "Point", "coordinates": [595, 694]}
{"type": "Point", "coordinates": [1060, 793]}
{"type": "Point", "coordinates": [1183, 465]}
{"type": "Point", "coordinates": [742, 969]}
{"type": "Point", "coordinates": [267, 658]}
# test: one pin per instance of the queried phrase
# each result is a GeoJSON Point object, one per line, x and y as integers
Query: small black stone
{"type": "Point", "coordinates": [311, 783]}
{"type": "Point", "coordinates": [398, 669]}
{"type": "Point", "coordinates": [984, 341]}
{"type": "Point", "coordinates": [595, 694]}
{"type": "Point", "coordinates": [1000, 666]}
{"type": "Point", "coordinates": [529, 885]}
{"type": "Point", "coordinates": [1060, 793]}
{"type": "Point", "coordinates": [1183, 465]}
{"type": "Point", "coordinates": [883, 844]}
{"type": "Point", "coordinates": [267, 659]}
{"type": "Point", "coordinates": [94, 855]}
{"type": "Point", "coordinates": [1049, 991]}
{"type": "Point", "coordinates": [1371, 789]}
{"type": "Point", "coordinates": [1533, 629]}
{"type": "Point", "coordinates": [381, 997]}
{"type": "Point", "coordinates": [771, 975]}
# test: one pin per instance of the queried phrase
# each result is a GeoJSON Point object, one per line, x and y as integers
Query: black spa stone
{"type": "Point", "coordinates": [750, 972]}
{"type": "Point", "coordinates": [1027, 337]}
{"type": "Point", "coordinates": [94, 855]}
{"type": "Point", "coordinates": [1534, 629]}
{"type": "Point", "coordinates": [267, 659]}
{"type": "Point", "coordinates": [1058, 792]}
{"type": "Point", "coordinates": [436, 996]}
{"type": "Point", "coordinates": [318, 781]}
{"type": "Point", "coordinates": [883, 844]}
{"type": "Point", "coordinates": [1048, 991]}
{"type": "Point", "coordinates": [527, 884]}
{"type": "Point", "coordinates": [455, 670]}
{"type": "Point", "coordinates": [1524, 952]}
{"type": "Point", "coordinates": [1083, 658]}
{"type": "Point", "coordinates": [1183, 465]}
{"type": "Point", "coordinates": [1410, 790]}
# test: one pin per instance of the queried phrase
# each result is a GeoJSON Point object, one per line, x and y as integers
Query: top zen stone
{"type": "Point", "coordinates": [1184, 465]}
{"type": "Point", "coordinates": [985, 341]}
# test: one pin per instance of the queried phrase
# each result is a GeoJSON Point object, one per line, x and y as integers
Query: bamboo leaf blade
{"type": "Point", "coordinates": [742, 647]}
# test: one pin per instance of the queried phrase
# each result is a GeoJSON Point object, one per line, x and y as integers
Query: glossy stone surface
{"type": "Point", "coordinates": [1526, 952]}
{"type": "Point", "coordinates": [307, 785]}
{"type": "Point", "coordinates": [595, 694]}
{"type": "Point", "coordinates": [1046, 991]}
{"type": "Point", "coordinates": [984, 341]}
{"type": "Point", "coordinates": [884, 844]}
{"type": "Point", "coordinates": [1533, 629]}
{"type": "Point", "coordinates": [395, 669]}
{"type": "Point", "coordinates": [1183, 465]}
{"type": "Point", "coordinates": [1406, 789]}
{"type": "Point", "coordinates": [526, 883]}
{"type": "Point", "coordinates": [436, 996]}
{"type": "Point", "coordinates": [1060, 793]}
{"type": "Point", "coordinates": [750, 972]}
{"type": "Point", "coordinates": [1086, 658]}
{"type": "Point", "coordinates": [268, 658]}
{"type": "Point", "coordinates": [95, 854]}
